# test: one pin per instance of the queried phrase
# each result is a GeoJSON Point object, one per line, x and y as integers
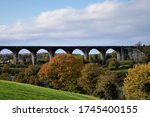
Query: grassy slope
{"type": "Point", "coordinates": [19, 91]}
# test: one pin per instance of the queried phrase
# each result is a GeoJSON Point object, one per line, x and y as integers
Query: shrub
{"type": "Point", "coordinates": [62, 72]}
{"type": "Point", "coordinates": [137, 82]}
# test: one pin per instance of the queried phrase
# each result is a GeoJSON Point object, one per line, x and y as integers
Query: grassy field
{"type": "Point", "coordinates": [18, 91]}
{"type": "Point", "coordinates": [121, 71]}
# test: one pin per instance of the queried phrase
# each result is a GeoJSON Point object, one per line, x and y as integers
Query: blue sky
{"type": "Point", "coordinates": [74, 22]}
{"type": "Point", "coordinates": [14, 10]}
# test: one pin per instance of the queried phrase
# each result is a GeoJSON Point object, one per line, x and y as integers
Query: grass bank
{"type": "Point", "coordinates": [19, 91]}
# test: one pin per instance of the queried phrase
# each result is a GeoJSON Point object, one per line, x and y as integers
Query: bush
{"type": "Point", "coordinates": [113, 64]}
{"type": "Point", "coordinates": [89, 77]}
{"type": "Point", "coordinates": [137, 82]}
{"type": "Point", "coordinates": [107, 87]}
{"type": "Point", "coordinates": [62, 72]}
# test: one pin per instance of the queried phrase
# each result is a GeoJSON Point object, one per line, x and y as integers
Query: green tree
{"type": "Point", "coordinates": [62, 72]}
{"type": "Point", "coordinates": [137, 82]}
{"type": "Point", "coordinates": [5, 68]}
{"type": "Point", "coordinates": [107, 86]}
{"type": "Point", "coordinates": [98, 81]}
{"type": "Point", "coordinates": [24, 60]}
{"type": "Point", "coordinates": [29, 75]}
{"type": "Point", "coordinates": [5, 73]}
{"type": "Point", "coordinates": [5, 76]}
{"type": "Point", "coordinates": [113, 64]}
{"type": "Point", "coordinates": [89, 77]}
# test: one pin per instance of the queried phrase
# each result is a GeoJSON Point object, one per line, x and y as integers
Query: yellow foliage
{"type": "Point", "coordinates": [137, 82]}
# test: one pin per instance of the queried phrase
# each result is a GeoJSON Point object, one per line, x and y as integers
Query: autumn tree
{"type": "Point", "coordinates": [61, 72]}
{"type": "Point", "coordinates": [107, 86]}
{"type": "Point", "coordinates": [137, 82]}
{"type": "Point", "coordinates": [89, 77]}
{"type": "Point", "coordinates": [29, 75]}
{"type": "Point", "coordinates": [98, 81]}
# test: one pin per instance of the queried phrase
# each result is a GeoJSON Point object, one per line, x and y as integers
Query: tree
{"type": "Point", "coordinates": [5, 68]}
{"type": "Point", "coordinates": [5, 76]}
{"type": "Point", "coordinates": [138, 44]}
{"type": "Point", "coordinates": [113, 64]}
{"type": "Point", "coordinates": [24, 60]}
{"type": "Point", "coordinates": [146, 51]}
{"type": "Point", "coordinates": [89, 77]}
{"type": "Point", "coordinates": [5, 73]}
{"type": "Point", "coordinates": [62, 72]}
{"type": "Point", "coordinates": [107, 87]}
{"type": "Point", "coordinates": [137, 82]}
{"type": "Point", "coordinates": [29, 75]}
{"type": "Point", "coordinates": [96, 56]}
{"type": "Point", "coordinates": [98, 81]}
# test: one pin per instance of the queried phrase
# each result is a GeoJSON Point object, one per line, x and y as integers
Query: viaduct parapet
{"type": "Point", "coordinates": [122, 51]}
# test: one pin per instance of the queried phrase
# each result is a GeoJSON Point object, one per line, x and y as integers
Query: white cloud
{"type": "Point", "coordinates": [107, 23]}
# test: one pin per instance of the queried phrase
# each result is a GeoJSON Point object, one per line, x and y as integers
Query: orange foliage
{"type": "Point", "coordinates": [62, 72]}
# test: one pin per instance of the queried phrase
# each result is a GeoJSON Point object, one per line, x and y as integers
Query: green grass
{"type": "Point", "coordinates": [121, 71]}
{"type": "Point", "coordinates": [19, 91]}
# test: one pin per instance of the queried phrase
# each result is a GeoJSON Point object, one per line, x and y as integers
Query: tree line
{"type": "Point", "coordinates": [69, 73]}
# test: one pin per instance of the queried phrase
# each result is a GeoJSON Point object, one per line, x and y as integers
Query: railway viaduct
{"type": "Point", "coordinates": [131, 51]}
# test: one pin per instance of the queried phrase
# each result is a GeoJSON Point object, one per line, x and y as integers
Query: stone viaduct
{"type": "Point", "coordinates": [131, 51]}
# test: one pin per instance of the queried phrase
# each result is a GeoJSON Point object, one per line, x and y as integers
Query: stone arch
{"type": "Point", "coordinates": [6, 56]}
{"type": "Point", "coordinates": [59, 51]}
{"type": "Point", "coordinates": [44, 54]}
{"type": "Point", "coordinates": [100, 56]}
{"type": "Point", "coordinates": [111, 50]}
{"type": "Point", "coordinates": [24, 56]}
{"type": "Point", "coordinates": [79, 53]}
{"type": "Point", "coordinates": [7, 51]}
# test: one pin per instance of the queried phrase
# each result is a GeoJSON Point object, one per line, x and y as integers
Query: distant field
{"type": "Point", "coordinates": [121, 71]}
{"type": "Point", "coordinates": [18, 91]}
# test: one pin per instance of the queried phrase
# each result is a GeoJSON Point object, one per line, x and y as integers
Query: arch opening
{"type": "Point", "coordinates": [6, 56]}
{"type": "Point", "coordinates": [95, 55]}
{"type": "Point", "coordinates": [78, 53]}
{"type": "Point", "coordinates": [60, 51]}
{"type": "Point", "coordinates": [24, 57]}
{"type": "Point", "coordinates": [111, 53]}
{"type": "Point", "coordinates": [42, 56]}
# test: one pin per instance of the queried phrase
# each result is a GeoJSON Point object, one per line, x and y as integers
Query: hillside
{"type": "Point", "coordinates": [18, 91]}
